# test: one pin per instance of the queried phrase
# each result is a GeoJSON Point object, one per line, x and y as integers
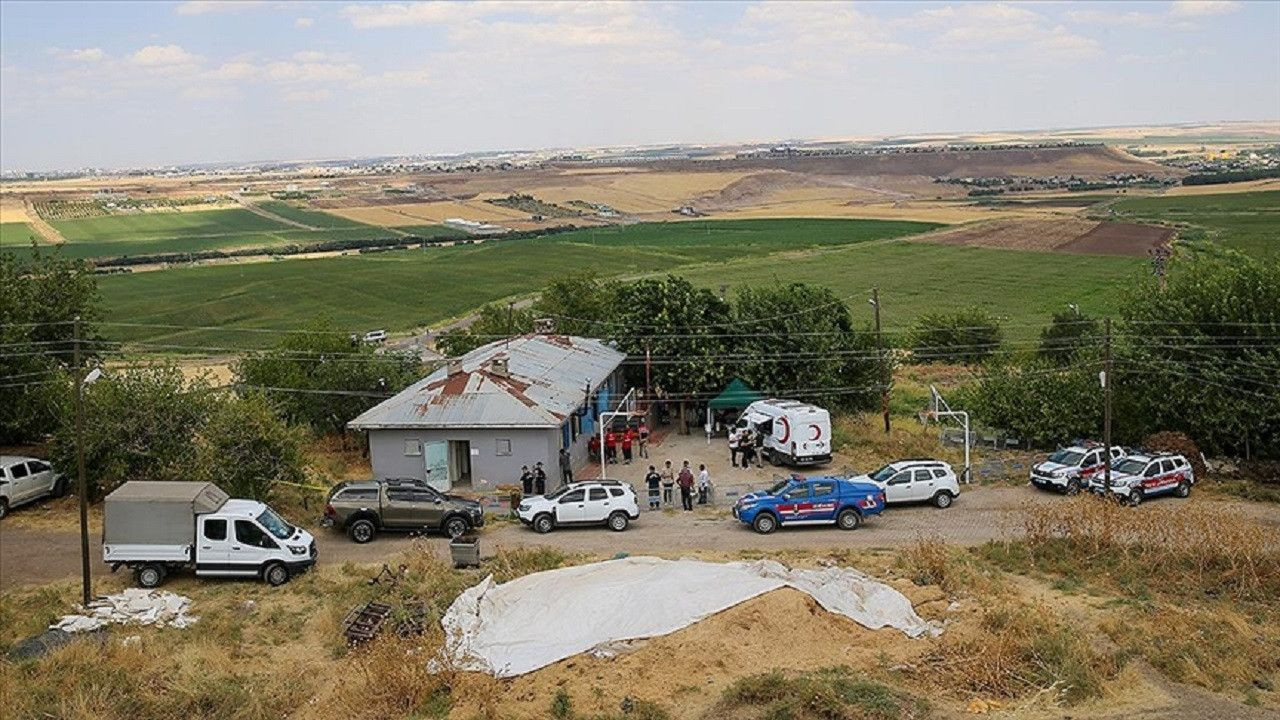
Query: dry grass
{"type": "Point", "coordinates": [834, 693]}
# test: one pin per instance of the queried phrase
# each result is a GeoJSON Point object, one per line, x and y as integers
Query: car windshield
{"type": "Point", "coordinates": [1131, 467]}
{"type": "Point", "coordinates": [883, 473]}
{"type": "Point", "coordinates": [1066, 457]}
{"type": "Point", "coordinates": [780, 486]}
{"type": "Point", "coordinates": [274, 525]}
{"type": "Point", "coordinates": [557, 493]}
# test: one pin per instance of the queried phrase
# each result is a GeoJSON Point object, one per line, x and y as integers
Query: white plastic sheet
{"type": "Point", "coordinates": [536, 620]}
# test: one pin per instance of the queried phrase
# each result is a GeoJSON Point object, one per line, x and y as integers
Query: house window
{"type": "Point", "coordinates": [413, 447]}
{"type": "Point", "coordinates": [502, 446]}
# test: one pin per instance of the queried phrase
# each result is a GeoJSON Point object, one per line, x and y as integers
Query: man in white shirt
{"type": "Point", "coordinates": [704, 485]}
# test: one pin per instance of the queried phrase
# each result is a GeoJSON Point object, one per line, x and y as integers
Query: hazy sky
{"type": "Point", "coordinates": [126, 84]}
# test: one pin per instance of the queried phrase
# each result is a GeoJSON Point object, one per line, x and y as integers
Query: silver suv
{"type": "Point", "coordinates": [24, 480]}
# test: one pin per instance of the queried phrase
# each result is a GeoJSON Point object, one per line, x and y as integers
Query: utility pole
{"type": "Point", "coordinates": [510, 324]}
{"type": "Point", "coordinates": [648, 362]}
{"type": "Point", "coordinates": [80, 481]}
{"type": "Point", "coordinates": [884, 369]}
{"type": "Point", "coordinates": [1106, 412]}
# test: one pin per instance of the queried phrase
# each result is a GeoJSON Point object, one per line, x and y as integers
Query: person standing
{"type": "Point", "coordinates": [734, 436]}
{"type": "Point", "coordinates": [539, 479]}
{"type": "Point", "coordinates": [685, 481]}
{"type": "Point", "coordinates": [757, 451]}
{"type": "Point", "coordinates": [653, 480]}
{"type": "Point", "coordinates": [627, 438]}
{"type": "Point", "coordinates": [611, 445]}
{"type": "Point", "coordinates": [644, 439]}
{"type": "Point", "coordinates": [668, 483]}
{"type": "Point", "coordinates": [526, 480]}
{"type": "Point", "coordinates": [704, 485]}
{"type": "Point", "coordinates": [746, 445]}
{"type": "Point", "coordinates": [566, 467]}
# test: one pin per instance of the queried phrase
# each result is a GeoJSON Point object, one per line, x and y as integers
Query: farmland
{"type": "Point", "coordinates": [15, 234]}
{"type": "Point", "coordinates": [1249, 222]}
{"type": "Point", "coordinates": [404, 289]}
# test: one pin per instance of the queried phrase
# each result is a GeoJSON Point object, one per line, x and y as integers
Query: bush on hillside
{"type": "Point", "coordinates": [967, 336]}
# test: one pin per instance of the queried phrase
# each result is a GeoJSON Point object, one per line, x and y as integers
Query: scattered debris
{"type": "Point", "coordinates": [134, 606]}
{"type": "Point", "coordinates": [40, 645]}
{"type": "Point", "coordinates": [365, 621]}
{"type": "Point", "coordinates": [387, 576]}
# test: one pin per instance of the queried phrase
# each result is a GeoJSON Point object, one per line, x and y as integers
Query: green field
{"type": "Point", "coordinates": [403, 289]}
{"type": "Point", "coordinates": [313, 218]}
{"type": "Point", "coordinates": [1249, 222]}
{"type": "Point", "coordinates": [16, 234]}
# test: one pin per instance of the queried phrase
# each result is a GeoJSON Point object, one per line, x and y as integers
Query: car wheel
{"type": "Point", "coordinates": [619, 521]}
{"type": "Point", "coordinates": [775, 459]}
{"type": "Point", "coordinates": [59, 488]}
{"type": "Point", "coordinates": [456, 526]}
{"type": "Point", "coordinates": [4, 507]}
{"type": "Point", "coordinates": [150, 576]}
{"type": "Point", "coordinates": [848, 519]}
{"type": "Point", "coordinates": [1073, 486]}
{"type": "Point", "coordinates": [764, 523]}
{"type": "Point", "coordinates": [276, 574]}
{"type": "Point", "coordinates": [543, 524]}
{"type": "Point", "coordinates": [1182, 490]}
{"type": "Point", "coordinates": [942, 499]}
{"type": "Point", "coordinates": [1135, 497]}
{"type": "Point", "coordinates": [362, 531]}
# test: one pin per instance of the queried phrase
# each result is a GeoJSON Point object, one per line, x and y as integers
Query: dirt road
{"type": "Point", "coordinates": [31, 555]}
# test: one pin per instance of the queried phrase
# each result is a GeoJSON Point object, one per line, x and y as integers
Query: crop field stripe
{"type": "Point", "coordinates": [1247, 221]}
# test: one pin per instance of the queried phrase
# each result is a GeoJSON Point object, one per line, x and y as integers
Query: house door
{"type": "Point", "coordinates": [435, 458]}
{"type": "Point", "coordinates": [460, 462]}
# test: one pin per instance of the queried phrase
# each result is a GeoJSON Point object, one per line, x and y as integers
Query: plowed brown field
{"type": "Point", "coordinates": [1058, 235]}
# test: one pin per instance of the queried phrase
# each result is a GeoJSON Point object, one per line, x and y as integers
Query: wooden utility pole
{"type": "Point", "coordinates": [82, 486]}
{"type": "Point", "coordinates": [884, 368]}
{"type": "Point", "coordinates": [1106, 409]}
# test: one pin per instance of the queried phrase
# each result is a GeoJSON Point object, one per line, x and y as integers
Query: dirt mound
{"type": "Point", "coordinates": [1092, 161]}
{"type": "Point", "coordinates": [687, 670]}
{"type": "Point", "coordinates": [1058, 235]}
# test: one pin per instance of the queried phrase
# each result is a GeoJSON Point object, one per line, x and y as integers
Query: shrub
{"type": "Point", "coordinates": [1176, 442]}
{"type": "Point", "coordinates": [834, 693]}
{"type": "Point", "coordinates": [967, 336]}
{"type": "Point", "coordinates": [1067, 333]}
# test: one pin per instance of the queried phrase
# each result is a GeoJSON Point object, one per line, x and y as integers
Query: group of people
{"type": "Point", "coordinates": [666, 480]}
{"type": "Point", "coordinates": [534, 482]}
{"type": "Point", "coordinates": [634, 437]}
{"type": "Point", "coordinates": [748, 443]}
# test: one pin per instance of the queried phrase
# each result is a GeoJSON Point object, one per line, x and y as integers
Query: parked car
{"type": "Point", "coordinates": [1070, 469]}
{"type": "Point", "coordinates": [1142, 475]}
{"type": "Point", "coordinates": [363, 509]}
{"type": "Point", "coordinates": [25, 479]}
{"type": "Point", "coordinates": [591, 502]}
{"type": "Point", "coordinates": [374, 337]}
{"type": "Point", "coordinates": [155, 528]}
{"type": "Point", "coordinates": [917, 480]}
{"type": "Point", "coordinates": [810, 501]}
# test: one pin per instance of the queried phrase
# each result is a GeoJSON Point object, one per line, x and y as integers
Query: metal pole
{"type": "Point", "coordinates": [884, 388]}
{"type": "Point", "coordinates": [968, 472]}
{"type": "Point", "coordinates": [1106, 412]}
{"type": "Point", "coordinates": [80, 480]}
{"type": "Point", "coordinates": [604, 461]}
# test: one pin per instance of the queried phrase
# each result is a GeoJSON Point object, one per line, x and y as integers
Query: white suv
{"type": "Point", "coordinates": [918, 480]}
{"type": "Point", "coordinates": [24, 480]}
{"type": "Point", "coordinates": [1070, 469]}
{"type": "Point", "coordinates": [607, 502]}
{"type": "Point", "coordinates": [1142, 475]}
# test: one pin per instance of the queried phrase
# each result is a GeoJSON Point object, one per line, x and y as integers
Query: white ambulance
{"type": "Point", "coordinates": [794, 432]}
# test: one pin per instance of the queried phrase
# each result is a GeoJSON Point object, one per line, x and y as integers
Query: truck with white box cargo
{"type": "Point", "coordinates": [794, 432]}
{"type": "Point", "coordinates": [156, 528]}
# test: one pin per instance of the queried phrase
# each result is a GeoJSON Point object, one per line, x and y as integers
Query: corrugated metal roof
{"type": "Point", "coordinates": [546, 379]}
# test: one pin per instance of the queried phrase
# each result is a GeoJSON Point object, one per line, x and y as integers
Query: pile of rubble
{"type": "Point", "coordinates": [133, 606]}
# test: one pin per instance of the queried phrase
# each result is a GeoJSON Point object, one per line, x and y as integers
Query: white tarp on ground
{"type": "Point", "coordinates": [533, 621]}
{"type": "Point", "coordinates": [130, 607]}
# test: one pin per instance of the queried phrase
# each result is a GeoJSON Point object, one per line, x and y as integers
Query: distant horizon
{"type": "Point", "coordinates": [115, 86]}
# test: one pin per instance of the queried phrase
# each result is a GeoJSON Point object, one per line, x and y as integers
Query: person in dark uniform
{"type": "Point", "coordinates": [566, 466]}
{"type": "Point", "coordinates": [539, 479]}
{"type": "Point", "coordinates": [526, 480]}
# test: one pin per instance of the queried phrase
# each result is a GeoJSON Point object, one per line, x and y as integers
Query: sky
{"type": "Point", "coordinates": [116, 85]}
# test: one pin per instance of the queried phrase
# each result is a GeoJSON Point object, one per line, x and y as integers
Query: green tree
{"type": "Point", "coordinates": [1067, 334]}
{"type": "Point", "coordinates": [968, 336]}
{"type": "Point", "coordinates": [40, 295]}
{"type": "Point", "coordinates": [1037, 401]}
{"type": "Point", "coordinates": [245, 447]}
{"type": "Point", "coordinates": [799, 340]}
{"type": "Point", "coordinates": [321, 379]}
{"type": "Point", "coordinates": [492, 322]}
{"type": "Point", "coordinates": [138, 425]}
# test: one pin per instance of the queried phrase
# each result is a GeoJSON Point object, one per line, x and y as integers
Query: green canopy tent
{"type": "Point", "coordinates": [736, 396]}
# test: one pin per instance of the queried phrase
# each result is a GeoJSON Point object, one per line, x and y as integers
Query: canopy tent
{"type": "Point", "coordinates": [735, 396]}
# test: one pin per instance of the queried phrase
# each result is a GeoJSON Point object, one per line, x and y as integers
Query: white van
{"type": "Point", "coordinates": [795, 433]}
{"type": "Point", "coordinates": [155, 528]}
{"type": "Point", "coordinates": [375, 337]}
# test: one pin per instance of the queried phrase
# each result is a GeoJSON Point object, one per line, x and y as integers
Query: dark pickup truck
{"type": "Point", "coordinates": [363, 509]}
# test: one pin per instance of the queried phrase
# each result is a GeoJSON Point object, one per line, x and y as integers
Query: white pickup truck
{"type": "Point", "coordinates": [155, 528]}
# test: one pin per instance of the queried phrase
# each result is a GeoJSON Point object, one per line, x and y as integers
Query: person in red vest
{"type": "Point", "coordinates": [611, 445]}
{"type": "Point", "coordinates": [628, 437]}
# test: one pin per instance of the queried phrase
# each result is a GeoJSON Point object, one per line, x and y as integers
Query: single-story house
{"type": "Point", "coordinates": [473, 423]}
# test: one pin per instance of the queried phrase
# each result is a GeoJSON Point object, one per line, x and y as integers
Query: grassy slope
{"type": "Point", "coordinates": [17, 234]}
{"type": "Point", "coordinates": [314, 218]}
{"type": "Point", "coordinates": [1249, 222]}
{"type": "Point", "coordinates": [398, 290]}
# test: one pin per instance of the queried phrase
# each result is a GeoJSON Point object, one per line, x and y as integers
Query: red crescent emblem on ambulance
{"type": "Point", "coordinates": [817, 432]}
{"type": "Point", "coordinates": [786, 429]}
